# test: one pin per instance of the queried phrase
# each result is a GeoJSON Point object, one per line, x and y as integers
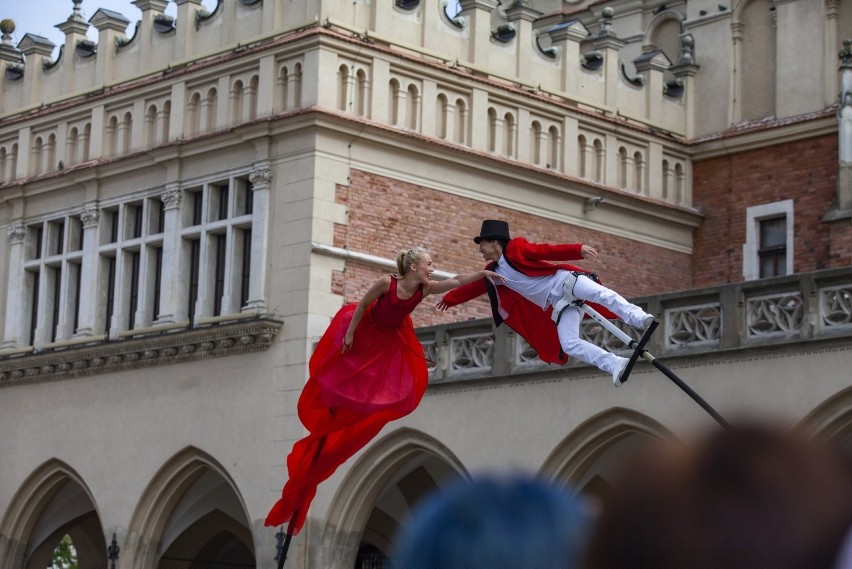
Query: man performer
{"type": "Point", "coordinates": [536, 291]}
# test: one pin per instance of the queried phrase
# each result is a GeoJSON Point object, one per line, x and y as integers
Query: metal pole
{"type": "Point", "coordinates": [631, 343]}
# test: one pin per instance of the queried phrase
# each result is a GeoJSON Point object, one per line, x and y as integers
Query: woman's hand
{"type": "Point", "coordinates": [588, 252]}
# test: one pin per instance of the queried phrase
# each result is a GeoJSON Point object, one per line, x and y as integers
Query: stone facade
{"type": "Point", "coordinates": [188, 200]}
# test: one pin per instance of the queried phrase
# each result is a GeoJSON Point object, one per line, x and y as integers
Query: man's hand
{"type": "Point", "coordinates": [442, 306]}
{"type": "Point", "coordinates": [588, 252]}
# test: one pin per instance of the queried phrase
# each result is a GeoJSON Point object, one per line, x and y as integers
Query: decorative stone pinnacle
{"type": "Point", "coordinates": [687, 53]}
{"type": "Point", "coordinates": [7, 27]}
{"type": "Point", "coordinates": [606, 21]}
{"type": "Point", "coordinates": [77, 14]}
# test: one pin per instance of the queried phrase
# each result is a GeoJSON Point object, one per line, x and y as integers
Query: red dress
{"type": "Point", "coordinates": [351, 396]}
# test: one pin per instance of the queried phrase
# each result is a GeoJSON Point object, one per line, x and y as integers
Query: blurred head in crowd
{"type": "Point", "coordinates": [494, 523]}
{"type": "Point", "coordinates": [755, 496]}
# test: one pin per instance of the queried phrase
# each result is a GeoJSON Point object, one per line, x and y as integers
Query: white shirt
{"type": "Point", "coordinates": [537, 290]}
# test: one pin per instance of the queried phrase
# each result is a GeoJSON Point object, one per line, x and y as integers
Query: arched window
{"type": "Point", "coordinates": [83, 145]}
{"type": "Point", "coordinates": [622, 168]}
{"type": "Point", "coordinates": [443, 110]}
{"type": "Point", "coordinates": [535, 143]}
{"type": "Point", "coordinates": [237, 92]}
{"type": "Point", "coordinates": [680, 184]}
{"type": "Point", "coordinates": [492, 129]}
{"type": "Point", "coordinates": [164, 119]}
{"type": "Point", "coordinates": [126, 129]}
{"type": "Point", "coordinates": [665, 36]}
{"type": "Point", "coordinates": [37, 151]}
{"type": "Point", "coordinates": [599, 160]}
{"type": "Point", "coordinates": [554, 141]}
{"type": "Point", "coordinates": [413, 113]}
{"type": "Point", "coordinates": [509, 131]}
{"type": "Point", "coordinates": [193, 114]}
{"type": "Point", "coordinates": [71, 146]}
{"type": "Point", "coordinates": [638, 172]}
{"type": "Point", "coordinates": [461, 122]}
{"type": "Point", "coordinates": [393, 108]}
{"type": "Point", "coordinates": [666, 182]}
{"type": "Point", "coordinates": [343, 87]}
{"type": "Point", "coordinates": [582, 155]}
{"type": "Point", "coordinates": [151, 125]}
{"type": "Point", "coordinates": [208, 113]}
{"type": "Point", "coordinates": [361, 93]}
{"type": "Point", "coordinates": [111, 146]}
{"type": "Point", "coordinates": [50, 153]}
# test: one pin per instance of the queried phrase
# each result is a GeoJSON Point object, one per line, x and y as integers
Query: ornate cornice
{"type": "Point", "coordinates": [166, 348]}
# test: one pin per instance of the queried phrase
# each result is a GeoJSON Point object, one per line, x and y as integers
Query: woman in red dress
{"type": "Point", "coordinates": [367, 370]}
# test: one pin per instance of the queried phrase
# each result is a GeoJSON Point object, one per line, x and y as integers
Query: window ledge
{"type": "Point", "coordinates": [163, 348]}
{"type": "Point", "coordinates": [10, 352]}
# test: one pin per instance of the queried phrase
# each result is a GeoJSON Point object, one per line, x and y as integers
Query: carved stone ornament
{"type": "Point", "coordinates": [16, 233]}
{"type": "Point", "coordinates": [261, 177]}
{"type": "Point", "coordinates": [90, 217]}
{"type": "Point", "coordinates": [171, 198]}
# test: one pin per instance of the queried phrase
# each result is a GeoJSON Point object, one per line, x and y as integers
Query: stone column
{"type": "Point", "coordinates": [261, 181]}
{"type": "Point", "coordinates": [13, 336]}
{"type": "Point", "coordinates": [174, 280]}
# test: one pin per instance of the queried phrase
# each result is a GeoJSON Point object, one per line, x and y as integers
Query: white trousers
{"type": "Point", "coordinates": [569, 324]}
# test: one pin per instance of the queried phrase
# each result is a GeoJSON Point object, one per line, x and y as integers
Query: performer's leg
{"type": "Point", "coordinates": [576, 347]}
{"type": "Point", "coordinates": [589, 290]}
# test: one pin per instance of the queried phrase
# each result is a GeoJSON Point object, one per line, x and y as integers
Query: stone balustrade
{"type": "Point", "coordinates": [808, 307]}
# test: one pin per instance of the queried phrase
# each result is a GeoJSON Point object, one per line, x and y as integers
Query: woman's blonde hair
{"type": "Point", "coordinates": [405, 259]}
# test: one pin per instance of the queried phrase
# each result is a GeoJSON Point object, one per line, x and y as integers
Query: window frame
{"type": "Point", "coordinates": [752, 246]}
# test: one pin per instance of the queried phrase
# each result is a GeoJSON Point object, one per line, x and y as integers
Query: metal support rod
{"type": "Point", "coordinates": [631, 343]}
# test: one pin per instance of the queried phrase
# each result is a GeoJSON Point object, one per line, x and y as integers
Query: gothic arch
{"type": "Point", "coordinates": [52, 502]}
{"type": "Point", "coordinates": [833, 419]}
{"type": "Point", "coordinates": [192, 505]}
{"type": "Point", "coordinates": [382, 468]}
{"type": "Point", "coordinates": [584, 458]}
{"type": "Point", "coordinates": [663, 33]}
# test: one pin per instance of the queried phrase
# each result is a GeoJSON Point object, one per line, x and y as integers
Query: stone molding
{"type": "Point", "coordinates": [165, 348]}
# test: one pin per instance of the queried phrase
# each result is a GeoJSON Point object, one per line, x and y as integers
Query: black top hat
{"type": "Point", "coordinates": [493, 230]}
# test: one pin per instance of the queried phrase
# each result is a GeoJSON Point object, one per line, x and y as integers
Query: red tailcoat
{"type": "Point", "coordinates": [522, 316]}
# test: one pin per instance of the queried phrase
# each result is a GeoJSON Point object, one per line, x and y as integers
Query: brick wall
{"type": "Point", "coordinates": [723, 188]}
{"type": "Point", "coordinates": [386, 215]}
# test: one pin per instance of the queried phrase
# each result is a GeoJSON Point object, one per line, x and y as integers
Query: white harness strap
{"type": "Point", "coordinates": [567, 299]}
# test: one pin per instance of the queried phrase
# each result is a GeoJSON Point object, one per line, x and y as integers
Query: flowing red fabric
{"type": "Point", "coordinates": [351, 396]}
